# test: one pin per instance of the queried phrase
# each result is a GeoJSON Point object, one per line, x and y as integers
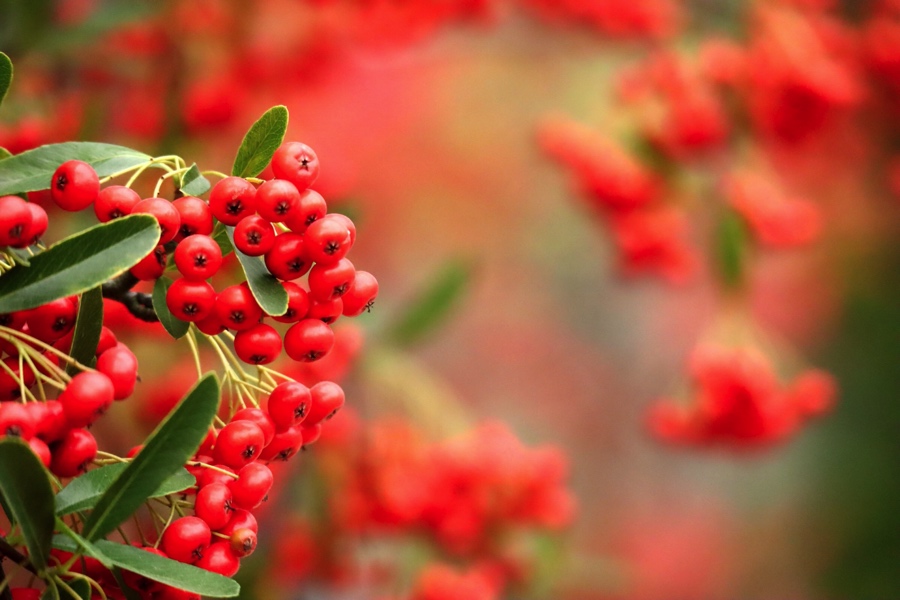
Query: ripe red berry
{"type": "Point", "coordinates": [252, 486]}
{"type": "Point", "coordinates": [87, 396]}
{"type": "Point", "coordinates": [259, 345]}
{"type": "Point", "coordinates": [107, 340]}
{"type": "Point", "coordinates": [115, 201]}
{"type": "Point", "coordinates": [237, 308]}
{"type": "Point", "coordinates": [297, 163]}
{"type": "Point", "coordinates": [198, 257]}
{"type": "Point", "coordinates": [166, 215]}
{"type": "Point", "coordinates": [75, 185]}
{"type": "Point", "coordinates": [298, 303]}
{"type": "Point", "coordinates": [327, 312]}
{"type": "Point", "coordinates": [254, 236]}
{"type": "Point", "coordinates": [311, 207]}
{"type": "Point", "coordinates": [212, 324]}
{"type": "Point", "coordinates": [41, 450]}
{"type": "Point", "coordinates": [330, 281]}
{"type": "Point", "coordinates": [52, 320]}
{"type": "Point", "coordinates": [15, 222]}
{"type": "Point", "coordinates": [361, 295]}
{"type": "Point", "coordinates": [327, 241]}
{"type": "Point", "coordinates": [284, 445]}
{"type": "Point", "coordinates": [241, 519]}
{"type": "Point", "coordinates": [16, 421]}
{"type": "Point", "coordinates": [308, 340]}
{"type": "Point", "coordinates": [185, 539]}
{"type": "Point", "coordinates": [39, 223]}
{"type": "Point", "coordinates": [49, 419]}
{"type": "Point", "coordinates": [219, 558]}
{"type": "Point", "coordinates": [287, 260]}
{"type": "Point", "coordinates": [190, 300]}
{"type": "Point", "coordinates": [243, 542]}
{"type": "Point", "coordinates": [13, 379]}
{"type": "Point", "coordinates": [213, 505]}
{"type": "Point", "coordinates": [151, 266]}
{"type": "Point", "coordinates": [196, 217]}
{"type": "Point", "coordinates": [261, 418]}
{"type": "Point", "coordinates": [238, 444]}
{"type": "Point", "coordinates": [73, 453]}
{"type": "Point", "coordinates": [119, 364]}
{"type": "Point", "coordinates": [276, 200]}
{"type": "Point", "coordinates": [220, 474]}
{"type": "Point", "coordinates": [327, 399]}
{"type": "Point", "coordinates": [232, 199]}
{"type": "Point", "coordinates": [288, 404]}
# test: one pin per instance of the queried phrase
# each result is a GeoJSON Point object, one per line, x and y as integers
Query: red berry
{"type": "Point", "coordinates": [259, 345]}
{"type": "Point", "coordinates": [74, 186]}
{"type": "Point", "coordinates": [166, 215]}
{"type": "Point", "coordinates": [308, 340]}
{"type": "Point", "coordinates": [52, 320]}
{"type": "Point", "coordinates": [241, 519]}
{"type": "Point", "coordinates": [276, 200]}
{"type": "Point", "coordinates": [15, 222]}
{"type": "Point", "coordinates": [298, 303]}
{"type": "Point", "coordinates": [232, 199]}
{"type": "Point", "coordinates": [254, 236]}
{"type": "Point", "coordinates": [261, 418]}
{"type": "Point", "coordinates": [213, 505]}
{"type": "Point", "coordinates": [327, 241]}
{"type": "Point", "coordinates": [288, 404]}
{"type": "Point", "coordinates": [16, 421]}
{"type": "Point", "coordinates": [237, 308]}
{"type": "Point", "coordinates": [115, 201]}
{"type": "Point", "coordinates": [252, 486]}
{"type": "Point", "coordinates": [87, 396]}
{"type": "Point", "coordinates": [284, 445]}
{"type": "Point", "coordinates": [218, 475]}
{"type": "Point", "coordinates": [198, 257]}
{"type": "Point", "coordinates": [212, 324]}
{"type": "Point", "coordinates": [243, 542]}
{"type": "Point", "coordinates": [287, 259]}
{"type": "Point", "coordinates": [185, 539]}
{"type": "Point", "coordinates": [119, 364]}
{"type": "Point", "coordinates": [327, 312]}
{"type": "Point", "coordinates": [13, 380]}
{"type": "Point", "coordinates": [330, 281]}
{"type": "Point", "coordinates": [41, 450]}
{"type": "Point", "coordinates": [220, 559]}
{"type": "Point", "coordinates": [107, 340]}
{"type": "Point", "coordinates": [39, 223]}
{"type": "Point", "coordinates": [73, 453]}
{"type": "Point", "coordinates": [196, 217]}
{"type": "Point", "coordinates": [151, 266]}
{"type": "Point", "coordinates": [361, 295]}
{"type": "Point", "coordinates": [50, 420]}
{"type": "Point", "coordinates": [238, 444]}
{"type": "Point", "coordinates": [327, 399]}
{"type": "Point", "coordinates": [297, 163]}
{"type": "Point", "coordinates": [190, 300]}
{"type": "Point", "coordinates": [311, 207]}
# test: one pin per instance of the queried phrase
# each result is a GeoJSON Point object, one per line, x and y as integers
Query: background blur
{"type": "Point", "coordinates": [502, 296]}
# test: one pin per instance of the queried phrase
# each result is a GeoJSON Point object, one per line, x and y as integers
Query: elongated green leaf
{"type": "Point", "coordinates": [84, 491]}
{"type": "Point", "coordinates": [33, 170]}
{"type": "Point", "coordinates": [71, 541]}
{"type": "Point", "coordinates": [158, 568]}
{"type": "Point", "coordinates": [193, 183]}
{"type": "Point", "coordinates": [25, 487]}
{"type": "Point", "coordinates": [176, 327]}
{"type": "Point", "coordinates": [261, 142]}
{"type": "Point", "coordinates": [4, 153]}
{"type": "Point", "coordinates": [170, 445]}
{"type": "Point", "coordinates": [269, 293]}
{"type": "Point", "coordinates": [79, 262]}
{"type": "Point", "coordinates": [433, 304]}
{"type": "Point", "coordinates": [731, 255]}
{"type": "Point", "coordinates": [87, 328]}
{"type": "Point", "coordinates": [6, 75]}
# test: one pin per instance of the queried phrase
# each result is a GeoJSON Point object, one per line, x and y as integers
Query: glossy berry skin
{"type": "Point", "coordinates": [41, 450]}
{"type": "Point", "coordinates": [232, 199]}
{"type": "Point", "coordinates": [243, 542]}
{"type": "Point", "coordinates": [16, 421]}
{"type": "Point", "coordinates": [254, 236]}
{"type": "Point", "coordinates": [39, 223]}
{"type": "Point", "coordinates": [288, 404]}
{"type": "Point", "coordinates": [15, 222]}
{"type": "Point", "coordinates": [196, 217]}
{"type": "Point", "coordinates": [252, 485]}
{"type": "Point", "coordinates": [298, 303]}
{"type": "Point", "coordinates": [186, 539]}
{"type": "Point", "coordinates": [238, 444]}
{"type": "Point", "coordinates": [74, 186]}
{"type": "Point", "coordinates": [327, 399]}
{"type": "Point", "coordinates": [296, 162]}
{"type": "Point", "coordinates": [87, 396]}
{"type": "Point", "coordinates": [12, 380]}
{"type": "Point", "coordinates": [310, 208]}
{"type": "Point", "coordinates": [327, 241]}
{"type": "Point", "coordinates": [213, 505]}
{"type": "Point", "coordinates": [211, 325]}
{"type": "Point", "coordinates": [237, 308]}
{"type": "Point", "coordinates": [198, 257]}
{"type": "Point", "coordinates": [218, 475]}
{"type": "Point", "coordinates": [240, 519]}
{"type": "Point", "coordinates": [276, 200]}
{"type": "Point", "coordinates": [219, 558]}
{"type": "Point", "coordinates": [284, 445]}
{"type": "Point", "coordinates": [327, 312]}
{"type": "Point", "coordinates": [49, 419]}
{"type": "Point", "coordinates": [261, 418]}
{"type": "Point", "coordinates": [152, 266]}
{"type": "Point", "coordinates": [52, 320]}
{"type": "Point", "coordinates": [73, 453]}
{"type": "Point", "coordinates": [308, 340]}
{"type": "Point", "coordinates": [115, 201]}
{"type": "Point", "coordinates": [330, 281]}
{"type": "Point", "coordinates": [190, 300]}
{"type": "Point", "coordinates": [259, 345]}
{"type": "Point", "coordinates": [287, 260]}
{"type": "Point", "coordinates": [119, 364]}
{"type": "Point", "coordinates": [361, 295]}
{"type": "Point", "coordinates": [166, 215]}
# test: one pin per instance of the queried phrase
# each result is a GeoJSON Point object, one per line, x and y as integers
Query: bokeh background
{"type": "Point", "coordinates": [502, 295]}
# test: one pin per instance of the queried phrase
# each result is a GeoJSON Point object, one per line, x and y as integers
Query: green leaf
{"type": "Point", "coordinates": [731, 249]}
{"type": "Point", "coordinates": [268, 291]}
{"type": "Point", "coordinates": [84, 491]}
{"type": "Point", "coordinates": [433, 304]}
{"type": "Point", "coordinates": [220, 236]}
{"type": "Point", "coordinates": [175, 326]}
{"type": "Point", "coordinates": [72, 542]}
{"type": "Point", "coordinates": [4, 153]}
{"type": "Point", "coordinates": [170, 445]}
{"type": "Point", "coordinates": [32, 170]}
{"type": "Point", "coordinates": [261, 142]}
{"type": "Point", "coordinates": [193, 183]}
{"type": "Point", "coordinates": [80, 587]}
{"type": "Point", "coordinates": [26, 490]}
{"type": "Point", "coordinates": [6, 75]}
{"type": "Point", "coordinates": [87, 328]}
{"type": "Point", "coordinates": [158, 568]}
{"type": "Point", "coordinates": [79, 262]}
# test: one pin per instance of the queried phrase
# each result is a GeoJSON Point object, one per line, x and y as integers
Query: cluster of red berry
{"type": "Point", "coordinates": [739, 401]}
